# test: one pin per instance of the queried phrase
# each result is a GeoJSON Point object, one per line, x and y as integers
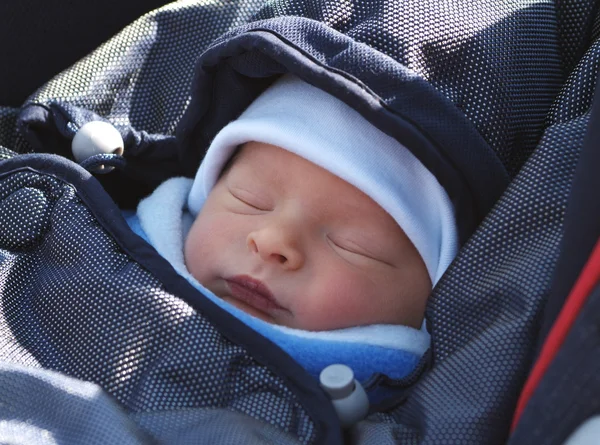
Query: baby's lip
{"type": "Point", "coordinates": [253, 292]}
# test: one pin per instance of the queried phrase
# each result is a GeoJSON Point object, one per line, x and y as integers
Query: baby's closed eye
{"type": "Point", "coordinates": [250, 199]}
{"type": "Point", "coordinates": [356, 249]}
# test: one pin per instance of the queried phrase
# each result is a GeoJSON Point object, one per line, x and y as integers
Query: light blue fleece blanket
{"type": "Point", "coordinates": [162, 219]}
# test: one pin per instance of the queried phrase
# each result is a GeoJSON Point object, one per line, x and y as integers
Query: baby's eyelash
{"type": "Point", "coordinates": [245, 201]}
{"type": "Point", "coordinates": [348, 249]}
{"type": "Point", "coordinates": [357, 252]}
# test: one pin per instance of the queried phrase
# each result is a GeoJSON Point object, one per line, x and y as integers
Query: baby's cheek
{"type": "Point", "coordinates": [202, 246]}
{"type": "Point", "coordinates": [341, 300]}
{"type": "Point", "coordinates": [193, 252]}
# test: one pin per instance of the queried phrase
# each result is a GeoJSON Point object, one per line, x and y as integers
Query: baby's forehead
{"type": "Point", "coordinates": [267, 160]}
{"type": "Point", "coordinates": [255, 150]}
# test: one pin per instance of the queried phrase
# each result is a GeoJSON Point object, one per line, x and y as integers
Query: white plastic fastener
{"type": "Point", "coordinates": [347, 394]}
{"type": "Point", "coordinates": [96, 137]}
{"type": "Point", "coordinates": [588, 433]}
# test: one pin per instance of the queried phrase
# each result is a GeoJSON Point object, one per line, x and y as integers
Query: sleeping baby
{"type": "Point", "coordinates": [314, 228]}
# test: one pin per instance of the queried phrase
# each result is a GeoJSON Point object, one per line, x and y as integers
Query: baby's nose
{"type": "Point", "coordinates": [278, 246]}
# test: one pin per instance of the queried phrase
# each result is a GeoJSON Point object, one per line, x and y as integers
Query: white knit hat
{"type": "Point", "coordinates": [305, 120]}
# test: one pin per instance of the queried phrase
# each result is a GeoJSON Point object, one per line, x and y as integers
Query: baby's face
{"type": "Point", "coordinates": [289, 242]}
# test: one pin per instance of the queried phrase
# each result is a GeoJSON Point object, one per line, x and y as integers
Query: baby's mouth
{"type": "Point", "coordinates": [253, 293]}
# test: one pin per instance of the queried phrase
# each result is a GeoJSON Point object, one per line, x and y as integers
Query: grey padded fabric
{"type": "Point", "coordinates": [85, 413]}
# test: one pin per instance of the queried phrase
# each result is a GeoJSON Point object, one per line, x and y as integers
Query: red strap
{"type": "Point", "coordinates": [585, 283]}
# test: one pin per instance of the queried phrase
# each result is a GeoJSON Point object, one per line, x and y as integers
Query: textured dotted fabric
{"type": "Point", "coordinates": [522, 72]}
{"type": "Point", "coordinates": [8, 120]}
{"type": "Point", "coordinates": [73, 302]}
{"type": "Point", "coordinates": [88, 414]}
{"type": "Point", "coordinates": [508, 59]}
{"type": "Point", "coordinates": [484, 312]}
{"type": "Point", "coordinates": [570, 384]}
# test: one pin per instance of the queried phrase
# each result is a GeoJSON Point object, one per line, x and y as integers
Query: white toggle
{"type": "Point", "coordinates": [347, 394]}
{"type": "Point", "coordinates": [95, 138]}
{"type": "Point", "coordinates": [588, 433]}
